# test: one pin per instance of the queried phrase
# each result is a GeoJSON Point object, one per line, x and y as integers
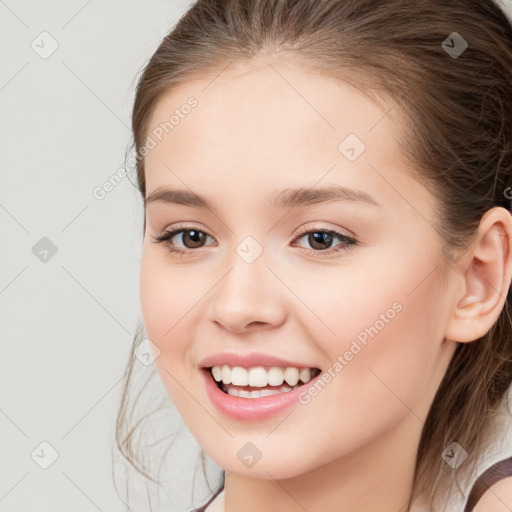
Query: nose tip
{"type": "Point", "coordinates": [246, 298]}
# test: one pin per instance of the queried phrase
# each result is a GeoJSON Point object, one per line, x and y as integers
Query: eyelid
{"type": "Point", "coordinates": [312, 226]}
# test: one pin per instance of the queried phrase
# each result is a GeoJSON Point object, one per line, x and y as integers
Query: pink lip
{"type": "Point", "coordinates": [250, 409]}
{"type": "Point", "coordinates": [248, 360]}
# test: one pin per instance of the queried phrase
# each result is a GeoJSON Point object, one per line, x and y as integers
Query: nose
{"type": "Point", "coordinates": [248, 297]}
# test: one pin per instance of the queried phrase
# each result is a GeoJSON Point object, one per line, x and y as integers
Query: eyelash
{"type": "Point", "coordinates": [348, 242]}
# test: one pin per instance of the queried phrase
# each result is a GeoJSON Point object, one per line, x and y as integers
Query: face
{"type": "Point", "coordinates": [349, 285]}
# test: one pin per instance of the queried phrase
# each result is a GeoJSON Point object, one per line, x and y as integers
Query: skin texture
{"type": "Point", "coordinates": [269, 125]}
{"type": "Point", "coordinates": [497, 499]}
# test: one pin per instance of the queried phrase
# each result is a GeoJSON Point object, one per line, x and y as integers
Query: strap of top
{"type": "Point", "coordinates": [487, 479]}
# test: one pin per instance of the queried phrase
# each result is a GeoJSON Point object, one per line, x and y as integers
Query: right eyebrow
{"type": "Point", "coordinates": [182, 197]}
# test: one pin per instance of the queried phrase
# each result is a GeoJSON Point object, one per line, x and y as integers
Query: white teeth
{"type": "Point", "coordinates": [305, 375]}
{"type": "Point", "coordinates": [238, 376]}
{"type": "Point", "coordinates": [217, 373]}
{"type": "Point", "coordinates": [269, 392]}
{"type": "Point", "coordinates": [291, 376]}
{"type": "Point", "coordinates": [275, 376]}
{"type": "Point", "coordinates": [257, 393]}
{"type": "Point", "coordinates": [226, 374]}
{"type": "Point", "coordinates": [259, 376]}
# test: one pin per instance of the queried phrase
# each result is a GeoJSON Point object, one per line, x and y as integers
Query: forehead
{"type": "Point", "coordinates": [273, 126]}
{"type": "Point", "coordinates": [278, 105]}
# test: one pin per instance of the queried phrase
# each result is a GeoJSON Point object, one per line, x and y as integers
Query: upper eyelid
{"type": "Point", "coordinates": [303, 230]}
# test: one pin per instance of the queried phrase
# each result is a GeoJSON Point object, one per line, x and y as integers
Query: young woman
{"type": "Point", "coordinates": [327, 256]}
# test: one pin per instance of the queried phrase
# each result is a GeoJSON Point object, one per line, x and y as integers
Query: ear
{"type": "Point", "coordinates": [484, 274]}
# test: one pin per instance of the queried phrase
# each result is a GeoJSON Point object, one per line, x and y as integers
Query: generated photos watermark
{"type": "Point", "coordinates": [344, 359]}
{"type": "Point", "coordinates": [157, 134]}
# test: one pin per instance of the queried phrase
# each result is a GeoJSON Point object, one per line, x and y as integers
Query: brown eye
{"type": "Point", "coordinates": [191, 238]}
{"type": "Point", "coordinates": [318, 239]}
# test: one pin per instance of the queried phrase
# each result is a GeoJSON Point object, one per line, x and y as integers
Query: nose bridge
{"type": "Point", "coordinates": [247, 274]}
{"type": "Point", "coordinates": [246, 293]}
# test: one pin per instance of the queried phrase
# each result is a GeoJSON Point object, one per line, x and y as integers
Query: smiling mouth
{"type": "Point", "coordinates": [246, 391]}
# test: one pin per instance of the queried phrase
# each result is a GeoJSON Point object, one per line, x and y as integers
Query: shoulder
{"type": "Point", "coordinates": [498, 498]}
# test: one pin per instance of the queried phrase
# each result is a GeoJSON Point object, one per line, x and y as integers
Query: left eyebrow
{"type": "Point", "coordinates": [281, 199]}
{"type": "Point", "coordinates": [307, 196]}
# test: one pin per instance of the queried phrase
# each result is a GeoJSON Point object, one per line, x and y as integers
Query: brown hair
{"type": "Point", "coordinates": [455, 115]}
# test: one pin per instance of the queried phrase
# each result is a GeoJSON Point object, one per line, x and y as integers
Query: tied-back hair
{"type": "Point", "coordinates": [453, 116]}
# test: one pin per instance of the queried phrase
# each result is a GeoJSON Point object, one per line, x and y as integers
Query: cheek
{"type": "Point", "coordinates": [171, 300]}
{"type": "Point", "coordinates": [384, 359]}
{"type": "Point", "coordinates": [167, 300]}
{"type": "Point", "coordinates": [162, 299]}
{"type": "Point", "coordinates": [387, 345]}
{"type": "Point", "coordinates": [381, 334]}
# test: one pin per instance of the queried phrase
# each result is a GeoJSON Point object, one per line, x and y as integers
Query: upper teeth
{"type": "Point", "coordinates": [260, 376]}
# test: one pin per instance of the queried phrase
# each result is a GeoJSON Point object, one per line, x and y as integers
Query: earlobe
{"type": "Point", "coordinates": [486, 274]}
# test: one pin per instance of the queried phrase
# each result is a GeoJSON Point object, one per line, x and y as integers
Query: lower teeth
{"type": "Point", "coordinates": [255, 393]}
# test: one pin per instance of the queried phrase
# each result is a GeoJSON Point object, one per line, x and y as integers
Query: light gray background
{"type": "Point", "coordinates": [67, 323]}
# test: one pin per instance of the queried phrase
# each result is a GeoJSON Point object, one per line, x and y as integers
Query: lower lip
{"type": "Point", "coordinates": [248, 409]}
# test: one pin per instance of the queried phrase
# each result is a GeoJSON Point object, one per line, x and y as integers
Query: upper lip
{"type": "Point", "coordinates": [249, 360]}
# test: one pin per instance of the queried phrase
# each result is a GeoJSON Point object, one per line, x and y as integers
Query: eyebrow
{"type": "Point", "coordinates": [281, 199]}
